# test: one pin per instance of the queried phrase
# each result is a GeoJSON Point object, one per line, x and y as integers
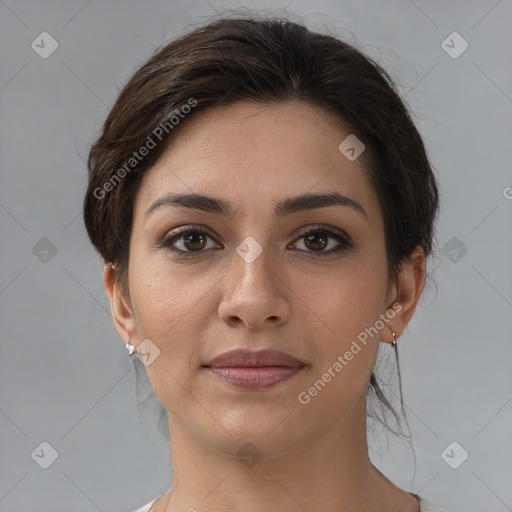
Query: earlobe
{"type": "Point", "coordinates": [120, 307]}
{"type": "Point", "coordinates": [409, 287]}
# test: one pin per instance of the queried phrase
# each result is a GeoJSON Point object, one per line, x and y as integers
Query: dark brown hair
{"type": "Point", "coordinates": [266, 60]}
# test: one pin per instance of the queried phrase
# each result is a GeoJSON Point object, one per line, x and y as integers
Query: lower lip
{"type": "Point", "coordinates": [254, 378]}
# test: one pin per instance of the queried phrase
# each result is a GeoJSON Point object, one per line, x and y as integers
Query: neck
{"type": "Point", "coordinates": [329, 472]}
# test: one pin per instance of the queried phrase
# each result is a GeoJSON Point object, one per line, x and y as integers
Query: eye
{"type": "Point", "coordinates": [185, 241]}
{"type": "Point", "coordinates": [191, 241]}
{"type": "Point", "coordinates": [317, 239]}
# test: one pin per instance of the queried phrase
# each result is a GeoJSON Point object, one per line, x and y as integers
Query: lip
{"type": "Point", "coordinates": [250, 358]}
{"type": "Point", "coordinates": [254, 370]}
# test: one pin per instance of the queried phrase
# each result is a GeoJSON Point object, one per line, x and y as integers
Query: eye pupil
{"type": "Point", "coordinates": [195, 245]}
{"type": "Point", "coordinates": [312, 237]}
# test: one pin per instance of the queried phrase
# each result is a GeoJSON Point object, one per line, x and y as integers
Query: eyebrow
{"type": "Point", "coordinates": [289, 205]}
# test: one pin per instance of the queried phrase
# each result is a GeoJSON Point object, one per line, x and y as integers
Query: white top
{"type": "Point", "coordinates": [425, 506]}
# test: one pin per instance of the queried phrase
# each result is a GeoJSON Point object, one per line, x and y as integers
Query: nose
{"type": "Point", "coordinates": [255, 296]}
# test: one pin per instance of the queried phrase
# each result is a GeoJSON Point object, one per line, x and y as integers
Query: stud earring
{"type": "Point", "coordinates": [130, 348]}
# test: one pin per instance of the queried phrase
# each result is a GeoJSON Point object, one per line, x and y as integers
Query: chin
{"type": "Point", "coordinates": [261, 432]}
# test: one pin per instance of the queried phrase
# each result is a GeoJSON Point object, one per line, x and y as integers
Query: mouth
{"type": "Point", "coordinates": [254, 378]}
{"type": "Point", "coordinates": [255, 370]}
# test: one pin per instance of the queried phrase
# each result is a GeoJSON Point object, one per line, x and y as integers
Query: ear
{"type": "Point", "coordinates": [407, 292]}
{"type": "Point", "coordinates": [120, 307]}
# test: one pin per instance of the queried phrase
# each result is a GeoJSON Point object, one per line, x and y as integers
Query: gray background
{"type": "Point", "coordinates": [65, 378]}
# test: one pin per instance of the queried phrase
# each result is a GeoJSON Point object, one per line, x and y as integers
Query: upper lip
{"type": "Point", "coordinates": [241, 357]}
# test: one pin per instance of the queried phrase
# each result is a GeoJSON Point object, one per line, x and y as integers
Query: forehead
{"type": "Point", "coordinates": [255, 154]}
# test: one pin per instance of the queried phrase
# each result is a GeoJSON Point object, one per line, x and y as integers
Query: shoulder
{"type": "Point", "coordinates": [146, 507]}
{"type": "Point", "coordinates": [425, 506]}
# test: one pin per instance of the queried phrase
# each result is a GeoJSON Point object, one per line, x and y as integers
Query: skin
{"type": "Point", "coordinates": [313, 457]}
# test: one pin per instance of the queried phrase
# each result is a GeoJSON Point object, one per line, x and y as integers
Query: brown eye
{"type": "Point", "coordinates": [186, 241]}
{"type": "Point", "coordinates": [317, 240]}
{"type": "Point", "coordinates": [194, 241]}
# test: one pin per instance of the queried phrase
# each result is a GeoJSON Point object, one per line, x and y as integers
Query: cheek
{"type": "Point", "coordinates": [350, 306]}
{"type": "Point", "coordinates": [168, 297]}
{"type": "Point", "coordinates": [171, 308]}
{"type": "Point", "coordinates": [352, 297]}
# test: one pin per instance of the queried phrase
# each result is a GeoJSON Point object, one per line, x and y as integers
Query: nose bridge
{"type": "Point", "coordinates": [252, 266]}
{"type": "Point", "coordinates": [253, 293]}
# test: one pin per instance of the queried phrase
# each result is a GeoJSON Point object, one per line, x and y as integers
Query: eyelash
{"type": "Point", "coordinates": [166, 242]}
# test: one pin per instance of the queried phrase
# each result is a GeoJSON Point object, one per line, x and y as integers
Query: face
{"type": "Point", "coordinates": [306, 279]}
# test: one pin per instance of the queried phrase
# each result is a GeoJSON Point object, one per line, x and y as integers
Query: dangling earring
{"type": "Point", "coordinates": [394, 339]}
{"type": "Point", "coordinates": [130, 348]}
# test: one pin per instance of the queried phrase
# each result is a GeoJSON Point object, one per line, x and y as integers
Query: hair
{"type": "Point", "coordinates": [266, 60]}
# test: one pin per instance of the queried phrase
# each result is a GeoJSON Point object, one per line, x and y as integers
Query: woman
{"type": "Point", "coordinates": [264, 207]}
